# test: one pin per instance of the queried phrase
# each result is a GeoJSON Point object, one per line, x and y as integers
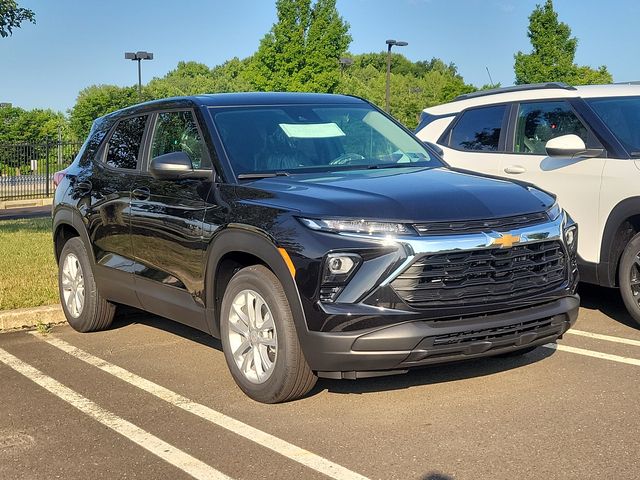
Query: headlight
{"type": "Point", "coordinates": [356, 226]}
{"type": "Point", "coordinates": [554, 212]}
{"type": "Point", "coordinates": [571, 237]}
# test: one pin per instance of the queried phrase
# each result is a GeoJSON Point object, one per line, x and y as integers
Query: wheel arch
{"type": "Point", "coordinates": [238, 247]}
{"type": "Point", "coordinates": [623, 223]}
{"type": "Point", "coordinates": [67, 224]}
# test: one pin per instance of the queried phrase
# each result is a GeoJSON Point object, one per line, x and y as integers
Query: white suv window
{"type": "Point", "coordinates": [539, 122]}
{"type": "Point", "coordinates": [479, 129]}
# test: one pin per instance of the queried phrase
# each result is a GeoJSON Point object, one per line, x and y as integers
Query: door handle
{"type": "Point", "coordinates": [84, 187]}
{"type": "Point", "coordinates": [142, 193]}
{"type": "Point", "coordinates": [515, 169]}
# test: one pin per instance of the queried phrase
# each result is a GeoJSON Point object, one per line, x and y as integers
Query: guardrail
{"type": "Point", "coordinates": [26, 170]}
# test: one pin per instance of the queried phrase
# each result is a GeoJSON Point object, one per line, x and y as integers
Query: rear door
{"type": "Point", "coordinates": [167, 223]}
{"type": "Point", "coordinates": [476, 139]}
{"type": "Point", "coordinates": [106, 205]}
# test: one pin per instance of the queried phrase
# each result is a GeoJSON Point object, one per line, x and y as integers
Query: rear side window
{"type": "Point", "coordinates": [124, 144]}
{"type": "Point", "coordinates": [478, 129]}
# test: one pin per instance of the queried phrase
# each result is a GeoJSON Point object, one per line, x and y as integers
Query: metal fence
{"type": "Point", "coordinates": [26, 170]}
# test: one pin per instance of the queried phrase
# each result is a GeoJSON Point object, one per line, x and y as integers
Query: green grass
{"type": "Point", "coordinates": [28, 271]}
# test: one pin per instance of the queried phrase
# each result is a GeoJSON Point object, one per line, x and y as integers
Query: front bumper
{"type": "Point", "coordinates": [396, 348]}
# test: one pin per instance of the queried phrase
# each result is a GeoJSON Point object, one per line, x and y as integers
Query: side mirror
{"type": "Point", "coordinates": [173, 166]}
{"type": "Point", "coordinates": [570, 146]}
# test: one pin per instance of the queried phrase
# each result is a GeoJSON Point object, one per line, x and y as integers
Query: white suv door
{"type": "Point", "coordinates": [475, 137]}
{"type": "Point", "coordinates": [576, 181]}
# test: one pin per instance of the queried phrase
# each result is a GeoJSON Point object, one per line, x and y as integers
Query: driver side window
{"type": "Point", "coordinates": [178, 132]}
{"type": "Point", "coordinates": [539, 122]}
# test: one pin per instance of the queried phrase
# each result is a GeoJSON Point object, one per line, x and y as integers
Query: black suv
{"type": "Point", "coordinates": [313, 234]}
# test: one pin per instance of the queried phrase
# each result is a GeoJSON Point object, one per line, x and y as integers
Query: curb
{"type": "Point", "coordinates": [30, 317]}
{"type": "Point", "coordinates": [33, 202]}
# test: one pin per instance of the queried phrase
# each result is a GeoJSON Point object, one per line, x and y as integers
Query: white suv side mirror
{"type": "Point", "coordinates": [570, 146]}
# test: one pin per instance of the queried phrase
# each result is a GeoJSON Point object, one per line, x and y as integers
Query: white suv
{"type": "Point", "coordinates": [580, 143]}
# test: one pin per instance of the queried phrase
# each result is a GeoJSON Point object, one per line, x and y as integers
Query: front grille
{"type": "Point", "coordinates": [477, 226]}
{"type": "Point", "coordinates": [481, 277]}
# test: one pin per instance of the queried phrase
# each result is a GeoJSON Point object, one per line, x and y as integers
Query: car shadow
{"type": "Point", "coordinates": [605, 300]}
{"type": "Point", "coordinates": [429, 375]}
{"type": "Point", "coordinates": [128, 316]}
{"type": "Point", "coordinates": [433, 374]}
{"type": "Point", "coordinates": [436, 476]}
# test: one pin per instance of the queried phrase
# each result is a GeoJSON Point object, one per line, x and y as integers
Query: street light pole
{"type": "Point", "coordinates": [390, 43]}
{"type": "Point", "coordinates": [138, 57]}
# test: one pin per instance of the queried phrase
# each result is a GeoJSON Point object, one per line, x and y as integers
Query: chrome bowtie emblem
{"type": "Point", "coordinates": [505, 240]}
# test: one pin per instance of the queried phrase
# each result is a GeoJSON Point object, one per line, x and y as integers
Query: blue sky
{"type": "Point", "coordinates": [78, 43]}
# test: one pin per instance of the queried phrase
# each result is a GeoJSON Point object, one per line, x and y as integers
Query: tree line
{"type": "Point", "coordinates": [307, 50]}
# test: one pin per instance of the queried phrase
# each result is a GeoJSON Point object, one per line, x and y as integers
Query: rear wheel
{"type": "Point", "coordinates": [259, 338]}
{"type": "Point", "coordinates": [629, 277]}
{"type": "Point", "coordinates": [83, 306]}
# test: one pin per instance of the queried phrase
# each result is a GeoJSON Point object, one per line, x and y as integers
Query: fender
{"type": "Point", "coordinates": [65, 215]}
{"type": "Point", "coordinates": [245, 239]}
{"type": "Point", "coordinates": [612, 245]}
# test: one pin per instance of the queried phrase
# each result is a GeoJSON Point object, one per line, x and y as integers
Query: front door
{"type": "Point", "coordinates": [166, 226]}
{"type": "Point", "coordinates": [576, 181]}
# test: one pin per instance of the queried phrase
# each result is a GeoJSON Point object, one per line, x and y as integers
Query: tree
{"type": "Point", "coordinates": [415, 85]}
{"type": "Point", "coordinates": [554, 50]}
{"type": "Point", "coordinates": [189, 78]}
{"type": "Point", "coordinates": [12, 16]}
{"type": "Point", "coordinates": [21, 126]}
{"type": "Point", "coordinates": [302, 50]}
{"type": "Point", "coordinates": [96, 101]}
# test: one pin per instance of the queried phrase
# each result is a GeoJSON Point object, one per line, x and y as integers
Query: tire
{"type": "Point", "coordinates": [517, 353]}
{"type": "Point", "coordinates": [629, 277]}
{"type": "Point", "coordinates": [267, 363]}
{"type": "Point", "coordinates": [93, 312]}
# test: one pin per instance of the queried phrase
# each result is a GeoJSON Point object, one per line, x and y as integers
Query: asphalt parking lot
{"type": "Point", "coordinates": [152, 399]}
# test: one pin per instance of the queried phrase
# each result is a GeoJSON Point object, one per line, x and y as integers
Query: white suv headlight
{"type": "Point", "coordinates": [357, 226]}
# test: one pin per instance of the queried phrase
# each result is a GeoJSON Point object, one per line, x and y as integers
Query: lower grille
{"type": "Point", "coordinates": [492, 334]}
{"type": "Point", "coordinates": [457, 345]}
{"type": "Point", "coordinates": [481, 277]}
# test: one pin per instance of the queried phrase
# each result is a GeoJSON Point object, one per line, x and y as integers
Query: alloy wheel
{"type": "Point", "coordinates": [634, 278]}
{"type": "Point", "coordinates": [252, 336]}
{"type": "Point", "coordinates": [73, 285]}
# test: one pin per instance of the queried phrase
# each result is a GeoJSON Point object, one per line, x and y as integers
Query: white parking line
{"type": "Point", "coordinates": [160, 448]}
{"type": "Point", "coordinates": [293, 452]}
{"type": "Point", "coordinates": [608, 338]}
{"type": "Point", "coordinates": [594, 354]}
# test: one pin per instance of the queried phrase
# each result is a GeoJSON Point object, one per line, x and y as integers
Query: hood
{"type": "Point", "coordinates": [399, 194]}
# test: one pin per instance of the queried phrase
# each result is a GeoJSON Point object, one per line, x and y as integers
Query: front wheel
{"type": "Point", "coordinates": [629, 277]}
{"type": "Point", "coordinates": [259, 338]}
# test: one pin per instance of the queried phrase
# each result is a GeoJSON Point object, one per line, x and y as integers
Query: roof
{"type": "Point", "coordinates": [239, 99]}
{"type": "Point", "coordinates": [521, 92]}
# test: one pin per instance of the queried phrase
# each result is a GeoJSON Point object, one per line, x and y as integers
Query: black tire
{"type": "Point", "coordinates": [518, 353]}
{"type": "Point", "coordinates": [629, 277]}
{"type": "Point", "coordinates": [290, 377]}
{"type": "Point", "coordinates": [96, 313]}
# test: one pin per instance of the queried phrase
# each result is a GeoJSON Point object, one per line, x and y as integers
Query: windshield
{"type": "Point", "coordinates": [622, 116]}
{"type": "Point", "coordinates": [307, 138]}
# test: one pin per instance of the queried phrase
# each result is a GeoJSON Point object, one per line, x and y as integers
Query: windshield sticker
{"type": "Point", "coordinates": [311, 130]}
